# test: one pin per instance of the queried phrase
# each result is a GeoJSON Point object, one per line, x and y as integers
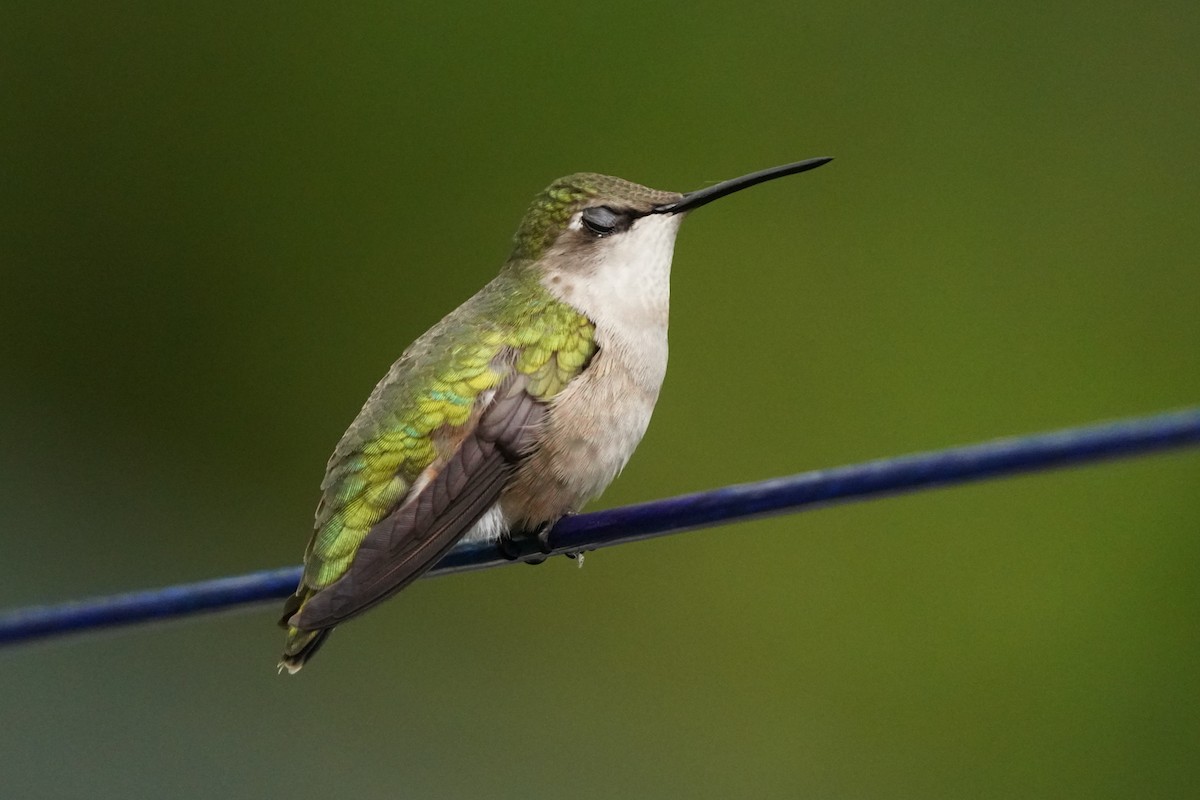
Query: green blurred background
{"type": "Point", "coordinates": [221, 223]}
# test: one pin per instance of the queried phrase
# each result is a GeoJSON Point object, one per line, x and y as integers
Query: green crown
{"type": "Point", "coordinates": [550, 211]}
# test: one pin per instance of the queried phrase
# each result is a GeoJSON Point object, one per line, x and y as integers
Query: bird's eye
{"type": "Point", "coordinates": [602, 220]}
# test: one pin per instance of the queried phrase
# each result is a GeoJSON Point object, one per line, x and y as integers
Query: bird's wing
{"type": "Point", "coordinates": [429, 452]}
{"type": "Point", "coordinates": [411, 539]}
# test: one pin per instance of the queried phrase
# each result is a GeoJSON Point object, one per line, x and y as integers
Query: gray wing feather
{"type": "Point", "coordinates": [406, 543]}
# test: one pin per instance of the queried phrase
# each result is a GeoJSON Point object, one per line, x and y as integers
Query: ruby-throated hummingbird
{"type": "Point", "coordinates": [516, 409]}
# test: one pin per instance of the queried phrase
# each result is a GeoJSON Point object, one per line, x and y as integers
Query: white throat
{"type": "Point", "coordinates": [625, 285]}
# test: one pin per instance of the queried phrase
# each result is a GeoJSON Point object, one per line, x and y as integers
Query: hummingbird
{"type": "Point", "coordinates": [513, 411]}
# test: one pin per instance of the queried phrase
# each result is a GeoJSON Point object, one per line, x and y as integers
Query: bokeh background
{"type": "Point", "coordinates": [222, 222]}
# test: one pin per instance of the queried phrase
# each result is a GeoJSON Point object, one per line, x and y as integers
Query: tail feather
{"type": "Point", "coordinates": [300, 645]}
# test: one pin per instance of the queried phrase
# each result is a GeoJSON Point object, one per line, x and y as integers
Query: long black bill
{"type": "Point", "coordinates": [700, 197]}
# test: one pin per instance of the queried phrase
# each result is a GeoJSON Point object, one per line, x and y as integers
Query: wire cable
{"type": "Point", "coordinates": [1022, 454]}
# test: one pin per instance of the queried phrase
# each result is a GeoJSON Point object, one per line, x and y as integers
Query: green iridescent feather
{"type": "Point", "coordinates": [550, 210]}
{"type": "Point", "coordinates": [429, 392]}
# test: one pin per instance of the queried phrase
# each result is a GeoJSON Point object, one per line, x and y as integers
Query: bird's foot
{"type": "Point", "coordinates": [521, 545]}
{"type": "Point", "coordinates": [508, 547]}
{"type": "Point", "coordinates": [543, 539]}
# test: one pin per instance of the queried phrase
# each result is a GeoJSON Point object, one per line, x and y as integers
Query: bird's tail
{"type": "Point", "coordinates": [299, 645]}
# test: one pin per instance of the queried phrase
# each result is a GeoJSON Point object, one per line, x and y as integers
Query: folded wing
{"type": "Point", "coordinates": [410, 540]}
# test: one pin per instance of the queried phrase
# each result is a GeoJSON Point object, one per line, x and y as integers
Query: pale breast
{"type": "Point", "coordinates": [595, 424]}
{"type": "Point", "coordinates": [593, 427]}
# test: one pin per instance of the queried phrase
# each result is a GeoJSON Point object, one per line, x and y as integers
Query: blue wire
{"type": "Point", "coordinates": [658, 518]}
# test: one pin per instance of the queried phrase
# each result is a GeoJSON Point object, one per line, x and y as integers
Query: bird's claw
{"type": "Point", "coordinates": [519, 545]}
{"type": "Point", "coordinates": [508, 548]}
{"type": "Point", "coordinates": [543, 539]}
{"type": "Point", "coordinates": [516, 545]}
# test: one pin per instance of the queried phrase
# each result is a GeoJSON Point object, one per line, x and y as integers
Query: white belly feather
{"type": "Point", "coordinates": [595, 424]}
